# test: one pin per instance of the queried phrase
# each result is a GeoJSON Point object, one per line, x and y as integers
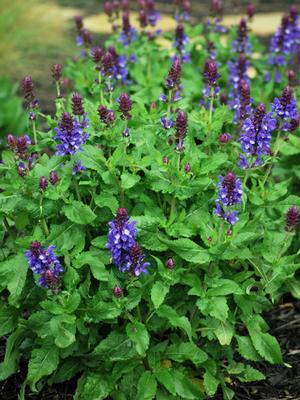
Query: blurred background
{"type": "Point", "coordinates": [34, 34]}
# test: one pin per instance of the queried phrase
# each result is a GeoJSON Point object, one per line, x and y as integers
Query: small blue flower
{"type": "Point", "coordinates": [78, 167]}
{"type": "Point", "coordinates": [166, 123]}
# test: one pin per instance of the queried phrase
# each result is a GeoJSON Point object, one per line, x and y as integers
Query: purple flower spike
{"type": "Point", "coordinates": [292, 219]}
{"type": "Point", "coordinates": [107, 116]}
{"type": "Point", "coordinates": [56, 71]}
{"type": "Point", "coordinates": [181, 129]}
{"type": "Point", "coordinates": [229, 194]}
{"type": "Point", "coordinates": [125, 106]}
{"type": "Point", "coordinates": [242, 43]}
{"type": "Point", "coordinates": [256, 135]}
{"type": "Point", "coordinates": [45, 263]}
{"type": "Point", "coordinates": [211, 77]}
{"type": "Point", "coordinates": [286, 109]}
{"type": "Point", "coordinates": [71, 134]}
{"type": "Point", "coordinates": [43, 183]}
{"type": "Point", "coordinates": [138, 265]}
{"type": "Point", "coordinates": [77, 104]}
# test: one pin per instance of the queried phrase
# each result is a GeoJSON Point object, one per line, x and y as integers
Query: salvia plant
{"type": "Point", "coordinates": [150, 222]}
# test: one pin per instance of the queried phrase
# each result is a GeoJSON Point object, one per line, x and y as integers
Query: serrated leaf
{"type": "Point", "coordinates": [147, 386]}
{"type": "Point", "coordinates": [186, 351]}
{"type": "Point", "coordinates": [13, 274]}
{"type": "Point", "coordinates": [107, 200]}
{"type": "Point", "coordinates": [251, 374]}
{"type": "Point", "coordinates": [98, 269]}
{"type": "Point", "coordinates": [115, 347]}
{"type": "Point", "coordinates": [138, 333]}
{"type": "Point", "coordinates": [185, 387]}
{"type": "Point", "coordinates": [43, 362]}
{"type": "Point", "coordinates": [93, 387]}
{"type": "Point", "coordinates": [129, 180]}
{"type": "Point", "coordinates": [210, 383]}
{"type": "Point", "coordinates": [246, 348]}
{"type": "Point", "coordinates": [175, 320]}
{"type": "Point", "coordinates": [188, 250]}
{"type": "Point", "coordinates": [166, 379]}
{"type": "Point", "coordinates": [79, 213]}
{"type": "Point", "coordinates": [158, 293]}
{"type": "Point", "coordinates": [63, 329]}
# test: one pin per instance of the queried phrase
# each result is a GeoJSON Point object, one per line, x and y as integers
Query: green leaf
{"type": "Point", "coordinates": [138, 333]}
{"type": "Point", "coordinates": [42, 363]}
{"type": "Point", "coordinates": [184, 352]}
{"type": "Point", "coordinates": [223, 287]}
{"type": "Point", "coordinates": [158, 293]}
{"type": "Point", "coordinates": [224, 331]}
{"type": "Point", "coordinates": [13, 274]}
{"type": "Point", "coordinates": [166, 379]}
{"type": "Point", "coordinates": [251, 374]}
{"type": "Point", "coordinates": [147, 386]}
{"type": "Point", "coordinates": [210, 383]}
{"type": "Point", "coordinates": [93, 387]}
{"type": "Point", "coordinates": [79, 213]}
{"type": "Point", "coordinates": [63, 329]}
{"type": "Point", "coordinates": [246, 348]}
{"type": "Point", "coordinates": [8, 320]}
{"type": "Point", "coordinates": [175, 320]}
{"type": "Point", "coordinates": [188, 250]}
{"type": "Point", "coordinates": [115, 347]}
{"type": "Point", "coordinates": [265, 344]}
{"type": "Point", "coordinates": [185, 387]}
{"type": "Point", "coordinates": [217, 308]}
{"type": "Point", "coordinates": [107, 200]}
{"type": "Point", "coordinates": [129, 180]}
{"type": "Point", "coordinates": [97, 267]}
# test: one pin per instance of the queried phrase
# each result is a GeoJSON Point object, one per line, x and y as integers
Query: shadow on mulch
{"type": "Point", "coordinates": [282, 383]}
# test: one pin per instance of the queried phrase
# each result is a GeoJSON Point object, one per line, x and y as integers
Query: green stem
{"type": "Point", "coordinates": [58, 90]}
{"type": "Point", "coordinates": [220, 234]}
{"type": "Point", "coordinates": [246, 178]}
{"type": "Point", "coordinates": [6, 224]}
{"type": "Point", "coordinates": [77, 189]}
{"type": "Point", "coordinates": [169, 104]}
{"type": "Point", "coordinates": [34, 132]}
{"type": "Point", "coordinates": [178, 161]}
{"type": "Point", "coordinates": [172, 209]}
{"type": "Point", "coordinates": [101, 91]}
{"type": "Point", "coordinates": [211, 106]}
{"type": "Point", "coordinates": [273, 158]}
{"type": "Point", "coordinates": [42, 219]}
{"type": "Point", "coordinates": [45, 227]}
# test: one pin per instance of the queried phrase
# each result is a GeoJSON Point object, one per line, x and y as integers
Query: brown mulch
{"type": "Point", "coordinates": [282, 383]}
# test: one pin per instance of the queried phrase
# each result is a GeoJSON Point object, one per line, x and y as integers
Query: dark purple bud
{"type": "Point", "coordinates": [35, 248]}
{"type": "Point", "coordinates": [22, 145]}
{"type": "Point", "coordinates": [291, 78]}
{"type": "Point", "coordinates": [251, 10]}
{"type": "Point", "coordinates": [259, 113]}
{"type": "Point", "coordinates": [108, 8]}
{"type": "Point", "coordinates": [118, 292]}
{"type": "Point", "coordinates": [51, 280]}
{"type": "Point", "coordinates": [209, 238]}
{"type": "Point", "coordinates": [87, 37]}
{"type": "Point", "coordinates": [125, 106]}
{"type": "Point", "coordinates": [106, 116]}
{"type": "Point", "coordinates": [166, 160]}
{"type": "Point", "coordinates": [143, 19]}
{"type": "Point", "coordinates": [53, 178]}
{"type": "Point", "coordinates": [126, 23]}
{"type": "Point", "coordinates": [210, 73]}
{"type": "Point", "coordinates": [27, 85]}
{"type": "Point", "coordinates": [135, 252]}
{"type": "Point", "coordinates": [225, 138]}
{"type": "Point", "coordinates": [125, 5]}
{"type": "Point", "coordinates": [174, 75]}
{"type": "Point", "coordinates": [286, 96]}
{"type": "Point", "coordinates": [293, 13]}
{"type": "Point", "coordinates": [67, 121]}
{"type": "Point", "coordinates": [294, 123]}
{"type": "Point", "coordinates": [223, 98]}
{"type": "Point", "coordinates": [292, 219]}
{"type": "Point", "coordinates": [97, 55]}
{"type": "Point", "coordinates": [217, 7]}
{"type": "Point", "coordinates": [108, 61]}
{"type": "Point", "coordinates": [116, 5]}
{"type": "Point", "coordinates": [122, 217]}
{"type": "Point", "coordinates": [229, 232]}
{"type": "Point", "coordinates": [187, 168]}
{"type": "Point", "coordinates": [181, 128]}
{"type": "Point", "coordinates": [11, 141]}
{"type": "Point", "coordinates": [43, 183]}
{"type": "Point", "coordinates": [153, 106]}
{"type": "Point", "coordinates": [142, 4]}
{"type": "Point", "coordinates": [179, 33]}
{"type": "Point", "coordinates": [56, 71]}
{"type": "Point", "coordinates": [170, 263]}
{"type": "Point", "coordinates": [77, 104]}
{"type": "Point", "coordinates": [187, 6]}
{"type": "Point", "coordinates": [78, 22]}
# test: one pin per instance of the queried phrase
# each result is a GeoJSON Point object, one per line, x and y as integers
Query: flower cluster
{"type": "Point", "coordinates": [284, 43]}
{"type": "Point", "coordinates": [84, 36]}
{"type": "Point", "coordinates": [292, 219]}
{"type": "Point", "coordinates": [148, 13]}
{"type": "Point", "coordinates": [286, 110]}
{"type": "Point", "coordinates": [180, 43]}
{"type": "Point", "coordinates": [210, 76]}
{"type": "Point", "coordinates": [114, 66]}
{"type": "Point", "coordinates": [44, 263]}
{"type": "Point", "coordinates": [183, 10]}
{"type": "Point", "coordinates": [128, 33]}
{"type": "Point", "coordinates": [256, 136]}
{"type": "Point", "coordinates": [181, 129]}
{"type": "Point", "coordinates": [126, 253]}
{"type": "Point", "coordinates": [216, 11]}
{"type": "Point", "coordinates": [242, 43]}
{"type": "Point", "coordinates": [229, 194]}
{"type": "Point", "coordinates": [28, 91]}
{"type": "Point", "coordinates": [71, 134]}
{"type": "Point", "coordinates": [107, 116]}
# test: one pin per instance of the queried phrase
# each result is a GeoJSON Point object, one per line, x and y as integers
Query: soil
{"type": "Point", "coordinates": [282, 383]}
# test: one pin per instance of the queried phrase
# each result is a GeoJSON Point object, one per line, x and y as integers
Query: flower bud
{"type": "Point", "coordinates": [43, 183]}
{"type": "Point", "coordinates": [166, 160]}
{"type": "Point", "coordinates": [125, 106]}
{"type": "Point", "coordinates": [11, 141]}
{"type": "Point", "coordinates": [170, 263]}
{"type": "Point", "coordinates": [77, 105]}
{"type": "Point", "coordinates": [53, 177]}
{"type": "Point", "coordinates": [292, 219]}
{"type": "Point", "coordinates": [251, 10]}
{"type": "Point", "coordinates": [118, 292]}
{"type": "Point", "coordinates": [187, 168]}
{"type": "Point", "coordinates": [224, 138]}
{"type": "Point", "coordinates": [56, 71]}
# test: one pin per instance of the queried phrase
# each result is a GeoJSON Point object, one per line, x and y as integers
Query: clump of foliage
{"type": "Point", "coordinates": [145, 232]}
